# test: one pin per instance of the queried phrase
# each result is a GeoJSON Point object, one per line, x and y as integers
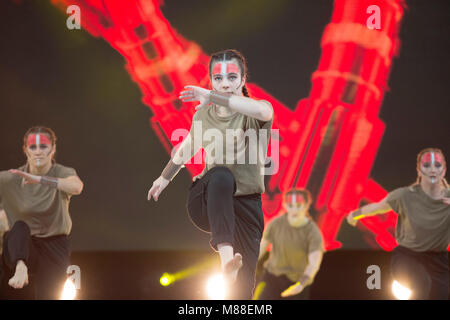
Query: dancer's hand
{"type": "Point", "coordinates": [446, 201]}
{"type": "Point", "coordinates": [158, 186]}
{"type": "Point", "coordinates": [292, 290]}
{"type": "Point", "coordinates": [28, 178]}
{"type": "Point", "coordinates": [350, 219]}
{"type": "Point", "coordinates": [194, 93]}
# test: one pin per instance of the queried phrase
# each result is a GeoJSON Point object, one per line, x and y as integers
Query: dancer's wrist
{"type": "Point", "coordinates": [304, 279]}
{"type": "Point", "coordinates": [171, 170]}
{"type": "Point", "coordinates": [220, 98]}
{"type": "Point", "coordinates": [52, 182]}
{"type": "Point", "coordinates": [357, 214]}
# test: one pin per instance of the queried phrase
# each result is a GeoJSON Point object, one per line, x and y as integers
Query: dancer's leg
{"type": "Point", "coordinates": [54, 259]}
{"type": "Point", "coordinates": [17, 253]}
{"type": "Point", "coordinates": [249, 226]}
{"type": "Point", "coordinates": [408, 270]}
{"type": "Point", "coordinates": [210, 207]}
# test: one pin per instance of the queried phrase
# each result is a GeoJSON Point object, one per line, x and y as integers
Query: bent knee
{"type": "Point", "coordinates": [20, 226]}
{"type": "Point", "coordinates": [222, 179]}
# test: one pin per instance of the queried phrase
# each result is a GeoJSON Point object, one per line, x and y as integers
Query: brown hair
{"type": "Point", "coordinates": [227, 55]}
{"type": "Point", "coordinates": [41, 130]}
{"type": "Point", "coordinates": [419, 156]}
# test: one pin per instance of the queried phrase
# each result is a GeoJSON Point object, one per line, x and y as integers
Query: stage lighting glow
{"type": "Point", "coordinates": [400, 292]}
{"type": "Point", "coordinates": [166, 279]}
{"type": "Point", "coordinates": [69, 291]}
{"type": "Point", "coordinates": [216, 287]}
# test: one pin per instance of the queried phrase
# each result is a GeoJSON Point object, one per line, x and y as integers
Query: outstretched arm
{"type": "Point", "coordinates": [183, 154]}
{"type": "Point", "coordinates": [71, 185]}
{"type": "Point", "coordinates": [261, 110]}
{"type": "Point", "coordinates": [3, 222]}
{"type": "Point", "coordinates": [369, 210]}
{"type": "Point", "coordinates": [314, 261]}
{"type": "Point", "coordinates": [263, 248]}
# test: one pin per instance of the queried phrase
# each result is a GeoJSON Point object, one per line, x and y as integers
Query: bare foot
{"type": "Point", "coordinates": [232, 268]}
{"type": "Point", "coordinates": [20, 278]}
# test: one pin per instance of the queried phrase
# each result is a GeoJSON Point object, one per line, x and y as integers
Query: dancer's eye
{"type": "Point", "coordinates": [33, 147]}
{"type": "Point", "coordinates": [426, 165]}
{"type": "Point", "coordinates": [438, 164]}
{"type": "Point", "coordinates": [43, 146]}
{"type": "Point", "coordinates": [217, 78]}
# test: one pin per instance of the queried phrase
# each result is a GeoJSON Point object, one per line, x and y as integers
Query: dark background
{"type": "Point", "coordinates": [77, 85]}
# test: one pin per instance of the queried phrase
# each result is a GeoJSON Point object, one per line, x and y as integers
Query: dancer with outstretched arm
{"type": "Point", "coordinates": [420, 261]}
{"type": "Point", "coordinates": [225, 198]}
{"type": "Point", "coordinates": [35, 199]}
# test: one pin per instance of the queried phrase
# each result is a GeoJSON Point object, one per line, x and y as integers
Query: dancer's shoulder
{"type": "Point", "coordinates": [62, 171]}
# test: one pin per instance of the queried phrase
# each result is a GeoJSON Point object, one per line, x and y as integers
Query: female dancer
{"type": "Point", "coordinates": [35, 198]}
{"type": "Point", "coordinates": [420, 262]}
{"type": "Point", "coordinates": [225, 199]}
{"type": "Point", "coordinates": [297, 250]}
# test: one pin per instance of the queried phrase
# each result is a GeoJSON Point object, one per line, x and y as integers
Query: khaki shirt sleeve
{"type": "Point", "coordinates": [268, 232]}
{"type": "Point", "coordinates": [394, 199]}
{"type": "Point", "coordinates": [65, 172]}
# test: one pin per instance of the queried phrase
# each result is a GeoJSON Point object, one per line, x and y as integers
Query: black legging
{"type": "Point", "coordinates": [425, 273]}
{"type": "Point", "coordinates": [237, 220]}
{"type": "Point", "coordinates": [47, 260]}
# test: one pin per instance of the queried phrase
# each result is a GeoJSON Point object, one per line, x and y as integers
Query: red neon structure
{"type": "Point", "coordinates": [327, 144]}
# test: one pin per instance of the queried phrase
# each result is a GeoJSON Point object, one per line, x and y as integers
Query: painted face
{"type": "Point", "coordinates": [39, 149]}
{"type": "Point", "coordinates": [226, 77]}
{"type": "Point", "coordinates": [432, 167]}
{"type": "Point", "coordinates": [296, 207]}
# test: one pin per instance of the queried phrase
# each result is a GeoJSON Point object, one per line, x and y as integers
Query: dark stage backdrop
{"type": "Point", "coordinates": [77, 85]}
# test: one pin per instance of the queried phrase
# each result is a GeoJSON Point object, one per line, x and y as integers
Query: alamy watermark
{"type": "Point", "coordinates": [74, 20]}
{"type": "Point", "coordinates": [374, 21]}
{"type": "Point", "coordinates": [236, 147]}
{"type": "Point", "coordinates": [374, 281]}
{"type": "Point", "coordinates": [74, 274]}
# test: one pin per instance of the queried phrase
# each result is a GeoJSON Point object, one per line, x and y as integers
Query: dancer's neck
{"type": "Point", "coordinates": [434, 190]}
{"type": "Point", "coordinates": [41, 170]}
{"type": "Point", "coordinates": [223, 111]}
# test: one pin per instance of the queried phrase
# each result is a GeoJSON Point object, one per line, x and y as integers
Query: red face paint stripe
{"type": "Point", "coordinates": [292, 199]}
{"type": "Point", "coordinates": [432, 157]}
{"type": "Point", "coordinates": [220, 67]}
{"type": "Point", "coordinates": [43, 139]}
{"type": "Point", "coordinates": [232, 68]}
{"type": "Point", "coordinates": [217, 69]}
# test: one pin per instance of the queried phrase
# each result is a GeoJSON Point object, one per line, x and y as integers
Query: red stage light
{"type": "Point", "coordinates": [327, 144]}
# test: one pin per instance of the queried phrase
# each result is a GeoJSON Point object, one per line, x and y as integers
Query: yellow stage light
{"type": "Point", "coordinates": [216, 287]}
{"type": "Point", "coordinates": [400, 292]}
{"type": "Point", "coordinates": [166, 279]}
{"type": "Point", "coordinates": [69, 291]}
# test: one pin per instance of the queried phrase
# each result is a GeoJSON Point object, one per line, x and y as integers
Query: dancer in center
{"type": "Point", "coordinates": [225, 198]}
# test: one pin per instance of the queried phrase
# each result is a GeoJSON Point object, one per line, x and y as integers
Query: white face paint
{"type": "Point", "coordinates": [432, 167]}
{"type": "Point", "coordinates": [226, 77]}
{"type": "Point", "coordinates": [39, 150]}
{"type": "Point", "coordinates": [433, 160]}
{"type": "Point", "coordinates": [296, 208]}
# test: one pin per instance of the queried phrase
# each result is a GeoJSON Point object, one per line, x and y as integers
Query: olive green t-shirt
{"type": "Point", "coordinates": [237, 142]}
{"type": "Point", "coordinates": [423, 223]}
{"type": "Point", "coordinates": [291, 247]}
{"type": "Point", "coordinates": [44, 209]}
